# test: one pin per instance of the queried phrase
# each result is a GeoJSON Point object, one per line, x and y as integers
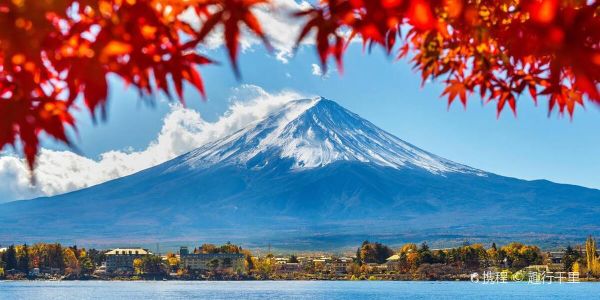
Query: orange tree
{"type": "Point", "coordinates": [53, 52]}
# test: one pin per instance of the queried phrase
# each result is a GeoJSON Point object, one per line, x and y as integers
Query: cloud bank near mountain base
{"type": "Point", "coordinates": [183, 130]}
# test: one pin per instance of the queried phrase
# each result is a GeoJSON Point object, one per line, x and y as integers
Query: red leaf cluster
{"type": "Point", "coordinates": [497, 48]}
{"type": "Point", "coordinates": [56, 52]}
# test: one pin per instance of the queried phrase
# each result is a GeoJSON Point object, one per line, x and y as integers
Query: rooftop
{"type": "Point", "coordinates": [122, 251]}
{"type": "Point", "coordinates": [213, 255]}
{"type": "Point", "coordinates": [393, 257]}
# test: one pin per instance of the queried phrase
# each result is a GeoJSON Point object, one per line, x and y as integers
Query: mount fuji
{"type": "Point", "coordinates": [312, 175]}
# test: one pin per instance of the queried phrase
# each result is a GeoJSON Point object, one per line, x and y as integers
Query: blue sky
{"type": "Point", "coordinates": [530, 146]}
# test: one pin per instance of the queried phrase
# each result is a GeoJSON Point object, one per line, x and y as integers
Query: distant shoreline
{"type": "Point", "coordinates": [2, 281]}
{"type": "Point", "coordinates": [372, 261]}
{"type": "Point", "coordinates": [462, 278]}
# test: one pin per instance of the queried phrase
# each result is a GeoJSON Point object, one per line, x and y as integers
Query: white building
{"type": "Point", "coordinates": [199, 261]}
{"type": "Point", "coordinates": [121, 259]}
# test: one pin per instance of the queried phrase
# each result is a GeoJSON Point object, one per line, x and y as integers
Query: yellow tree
{"type": "Point", "coordinates": [173, 260]}
{"type": "Point", "coordinates": [592, 261]}
{"type": "Point", "coordinates": [71, 261]}
{"type": "Point", "coordinates": [409, 248]}
{"type": "Point", "coordinates": [264, 267]}
{"type": "Point", "coordinates": [138, 265]}
{"type": "Point", "coordinates": [209, 248]}
{"type": "Point", "coordinates": [576, 268]}
{"type": "Point", "coordinates": [82, 253]}
{"type": "Point", "coordinates": [39, 255]}
{"type": "Point", "coordinates": [248, 261]}
{"type": "Point", "coordinates": [409, 256]}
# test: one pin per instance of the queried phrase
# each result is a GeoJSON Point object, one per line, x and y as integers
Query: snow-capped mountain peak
{"type": "Point", "coordinates": [311, 174]}
{"type": "Point", "coordinates": [311, 133]}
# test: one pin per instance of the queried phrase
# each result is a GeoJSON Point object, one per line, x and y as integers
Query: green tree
{"type": "Point", "coordinates": [87, 266]}
{"type": "Point", "coordinates": [249, 263]}
{"type": "Point", "coordinates": [468, 256]}
{"type": "Point", "coordinates": [227, 263]}
{"type": "Point", "coordinates": [571, 256]}
{"type": "Point", "coordinates": [23, 259]}
{"type": "Point", "coordinates": [213, 264]}
{"type": "Point", "coordinates": [425, 254]}
{"type": "Point", "coordinates": [439, 256]}
{"type": "Point", "coordinates": [96, 256]}
{"type": "Point", "coordinates": [150, 264]}
{"type": "Point", "coordinates": [154, 264]}
{"type": "Point", "coordinates": [10, 258]}
{"type": "Point", "coordinates": [293, 259]}
{"type": "Point", "coordinates": [56, 258]}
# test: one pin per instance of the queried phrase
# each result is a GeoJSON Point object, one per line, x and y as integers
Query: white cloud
{"type": "Point", "coordinates": [317, 71]}
{"type": "Point", "coordinates": [183, 130]}
{"type": "Point", "coordinates": [281, 28]}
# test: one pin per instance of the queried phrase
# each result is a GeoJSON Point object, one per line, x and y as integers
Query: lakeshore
{"type": "Point", "coordinates": [457, 278]}
{"type": "Point", "coordinates": [372, 261]}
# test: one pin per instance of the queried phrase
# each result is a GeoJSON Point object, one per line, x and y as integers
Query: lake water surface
{"type": "Point", "coordinates": [290, 290]}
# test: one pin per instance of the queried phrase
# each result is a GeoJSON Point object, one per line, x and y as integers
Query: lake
{"type": "Point", "coordinates": [289, 290]}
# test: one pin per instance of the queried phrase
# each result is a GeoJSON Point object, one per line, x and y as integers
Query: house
{"type": "Point", "coordinates": [200, 261]}
{"type": "Point", "coordinates": [375, 267]}
{"type": "Point", "coordinates": [303, 260]}
{"type": "Point", "coordinates": [101, 270]}
{"type": "Point", "coordinates": [320, 265]}
{"type": "Point", "coordinates": [52, 271]}
{"type": "Point", "coordinates": [288, 268]}
{"type": "Point", "coordinates": [393, 263]}
{"type": "Point", "coordinates": [536, 268]}
{"type": "Point", "coordinates": [281, 260]}
{"type": "Point", "coordinates": [339, 266]}
{"type": "Point", "coordinates": [556, 257]}
{"type": "Point", "coordinates": [121, 259]}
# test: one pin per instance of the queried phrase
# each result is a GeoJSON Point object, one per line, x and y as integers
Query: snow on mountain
{"type": "Point", "coordinates": [313, 133]}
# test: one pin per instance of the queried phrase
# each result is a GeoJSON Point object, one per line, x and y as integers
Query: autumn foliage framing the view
{"type": "Point", "coordinates": [54, 52]}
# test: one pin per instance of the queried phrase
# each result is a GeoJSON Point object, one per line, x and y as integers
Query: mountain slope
{"type": "Point", "coordinates": [312, 175]}
{"type": "Point", "coordinates": [315, 133]}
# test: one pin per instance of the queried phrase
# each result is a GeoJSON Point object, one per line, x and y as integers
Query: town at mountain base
{"type": "Point", "coordinates": [311, 176]}
{"type": "Point", "coordinates": [371, 261]}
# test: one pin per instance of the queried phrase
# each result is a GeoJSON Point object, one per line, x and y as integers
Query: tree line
{"type": "Point", "coordinates": [47, 257]}
{"type": "Point", "coordinates": [468, 258]}
{"type": "Point", "coordinates": [411, 259]}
